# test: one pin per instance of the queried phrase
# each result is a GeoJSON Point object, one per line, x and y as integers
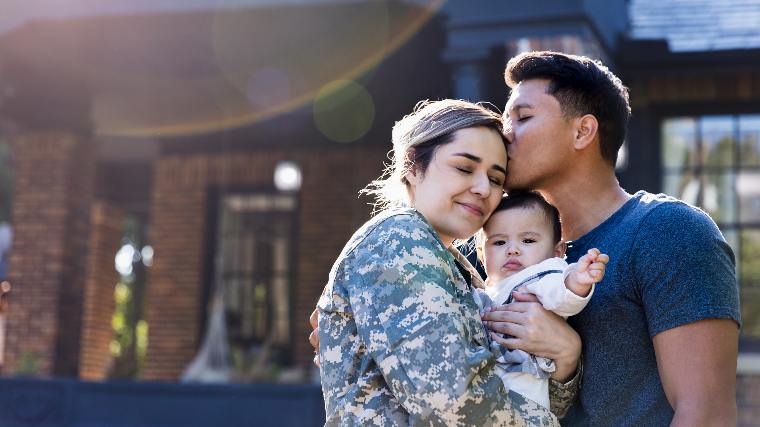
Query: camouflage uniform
{"type": "Point", "coordinates": [401, 341]}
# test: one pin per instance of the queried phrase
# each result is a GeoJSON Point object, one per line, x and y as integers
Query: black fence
{"type": "Point", "coordinates": [71, 403]}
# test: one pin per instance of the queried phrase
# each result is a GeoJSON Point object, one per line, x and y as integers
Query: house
{"type": "Point", "coordinates": [177, 121]}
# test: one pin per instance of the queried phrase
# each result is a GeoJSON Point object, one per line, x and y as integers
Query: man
{"type": "Point", "coordinates": [660, 335]}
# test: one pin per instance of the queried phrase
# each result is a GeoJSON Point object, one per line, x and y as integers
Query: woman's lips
{"type": "Point", "coordinates": [473, 209]}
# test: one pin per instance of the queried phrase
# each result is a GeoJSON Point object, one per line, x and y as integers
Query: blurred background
{"type": "Point", "coordinates": [177, 176]}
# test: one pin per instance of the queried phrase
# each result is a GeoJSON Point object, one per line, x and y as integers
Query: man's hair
{"type": "Point", "coordinates": [582, 86]}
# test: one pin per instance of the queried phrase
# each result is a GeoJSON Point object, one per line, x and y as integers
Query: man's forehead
{"type": "Point", "coordinates": [528, 93]}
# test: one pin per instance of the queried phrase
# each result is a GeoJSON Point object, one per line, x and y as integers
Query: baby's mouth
{"type": "Point", "coordinates": [513, 265]}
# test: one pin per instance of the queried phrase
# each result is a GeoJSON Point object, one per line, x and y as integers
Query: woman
{"type": "Point", "coordinates": [401, 340]}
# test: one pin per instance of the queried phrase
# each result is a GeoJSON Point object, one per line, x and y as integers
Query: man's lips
{"type": "Point", "coordinates": [473, 209]}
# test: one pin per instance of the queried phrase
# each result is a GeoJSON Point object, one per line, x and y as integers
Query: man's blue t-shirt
{"type": "Point", "coordinates": [669, 266]}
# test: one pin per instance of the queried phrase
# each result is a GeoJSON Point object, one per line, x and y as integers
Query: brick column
{"type": "Point", "coordinates": [51, 211]}
{"type": "Point", "coordinates": [172, 299]}
{"type": "Point", "coordinates": [105, 239]}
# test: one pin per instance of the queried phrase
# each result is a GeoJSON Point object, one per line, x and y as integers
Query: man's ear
{"type": "Point", "coordinates": [560, 249]}
{"type": "Point", "coordinates": [586, 130]}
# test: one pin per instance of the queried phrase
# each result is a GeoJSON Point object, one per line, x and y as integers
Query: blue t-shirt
{"type": "Point", "coordinates": [669, 266]}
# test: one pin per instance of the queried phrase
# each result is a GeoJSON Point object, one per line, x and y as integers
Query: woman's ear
{"type": "Point", "coordinates": [586, 131]}
{"type": "Point", "coordinates": [413, 176]}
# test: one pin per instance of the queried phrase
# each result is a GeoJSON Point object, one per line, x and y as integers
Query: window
{"type": "Point", "coordinates": [714, 162]}
{"type": "Point", "coordinates": [575, 44]}
{"type": "Point", "coordinates": [253, 266]}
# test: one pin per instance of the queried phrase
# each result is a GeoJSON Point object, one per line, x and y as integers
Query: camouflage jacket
{"type": "Point", "coordinates": [401, 341]}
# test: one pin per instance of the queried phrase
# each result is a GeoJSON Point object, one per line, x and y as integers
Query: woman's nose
{"type": "Point", "coordinates": [481, 186]}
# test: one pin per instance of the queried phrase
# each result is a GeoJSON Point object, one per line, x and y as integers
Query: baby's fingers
{"type": "Point", "coordinates": [583, 263]}
{"type": "Point", "coordinates": [596, 270]}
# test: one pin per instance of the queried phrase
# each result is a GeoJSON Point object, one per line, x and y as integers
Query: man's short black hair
{"type": "Point", "coordinates": [582, 86]}
{"type": "Point", "coordinates": [523, 199]}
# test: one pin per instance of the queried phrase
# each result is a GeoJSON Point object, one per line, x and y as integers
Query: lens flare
{"type": "Point", "coordinates": [262, 72]}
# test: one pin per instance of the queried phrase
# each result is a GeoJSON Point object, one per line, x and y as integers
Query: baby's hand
{"type": "Point", "coordinates": [588, 270]}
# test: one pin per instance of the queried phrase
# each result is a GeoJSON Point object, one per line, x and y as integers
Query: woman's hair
{"type": "Point", "coordinates": [417, 136]}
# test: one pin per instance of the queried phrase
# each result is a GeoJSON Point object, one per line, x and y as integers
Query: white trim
{"type": "Point", "coordinates": [748, 363]}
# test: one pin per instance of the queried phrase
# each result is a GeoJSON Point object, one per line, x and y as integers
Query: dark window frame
{"type": "Point", "coordinates": [215, 195]}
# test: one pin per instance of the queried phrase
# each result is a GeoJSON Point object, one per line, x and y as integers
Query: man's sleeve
{"type": "Point", "coordinates": [416, 327]}
{"type": "Point", "coordinates": [684, 268]}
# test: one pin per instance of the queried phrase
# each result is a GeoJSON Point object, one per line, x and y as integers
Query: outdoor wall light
{"type": "Point", "coordinates": [287, 176]}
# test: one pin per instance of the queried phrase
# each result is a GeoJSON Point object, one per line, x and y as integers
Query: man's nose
{"type": "Point", "coordinates": [509, 133]}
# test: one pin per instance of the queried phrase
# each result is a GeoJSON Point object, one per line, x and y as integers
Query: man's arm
{"type": "Point", "coordinates": [708, 348]}
{"type": "Point", "coordinates": [692, 311]}
{"type": "Point", "coordinates": [314, 335]}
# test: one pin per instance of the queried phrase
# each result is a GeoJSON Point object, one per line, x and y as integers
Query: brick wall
{"type": "Point", "coordinates": [54, 174]}
{"type": "Point", "coordinates": [329, 213]}
{"type": "Point", "coordinates": [98, 307]}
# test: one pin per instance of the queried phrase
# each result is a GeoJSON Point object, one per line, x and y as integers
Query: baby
{"type": "Point", "coordinates": [522, 251]}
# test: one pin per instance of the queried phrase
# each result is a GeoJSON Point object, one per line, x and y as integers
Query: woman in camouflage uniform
{"type": "Point", "coordinates": [401, 340]}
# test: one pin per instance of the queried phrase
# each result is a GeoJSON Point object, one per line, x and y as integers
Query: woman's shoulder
{"type": "Point", "coordinates": [392, 230]}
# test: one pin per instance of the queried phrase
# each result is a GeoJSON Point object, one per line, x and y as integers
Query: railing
{"type": "Point", "coordinates": [71, 403]}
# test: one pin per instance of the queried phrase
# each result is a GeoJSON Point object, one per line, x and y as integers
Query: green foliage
{"type": "Point", "coordinates": [30, 364]}
{"type": "Point", "coordinates": [130, 331]}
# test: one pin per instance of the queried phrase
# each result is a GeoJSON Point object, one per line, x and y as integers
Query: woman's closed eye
{"type": "Point", "coordinates": [495, 181]}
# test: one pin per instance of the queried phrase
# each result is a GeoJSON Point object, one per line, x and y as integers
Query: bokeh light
{"type": "Point", "coordinates": [287, 176]}
{"type": "Point", "coordinates": [344, 111]}
{"type": "Point", "coordinates": [124, 259]}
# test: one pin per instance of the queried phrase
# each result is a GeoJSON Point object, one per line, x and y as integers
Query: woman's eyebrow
{"type": "Point", "coordinates": [477, 159]}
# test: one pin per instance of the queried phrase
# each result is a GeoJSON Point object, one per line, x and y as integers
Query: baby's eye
{"type": "Point", "coordinates": [529, 241]}
{"type": "Point", "coordinates": [499, 243]}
